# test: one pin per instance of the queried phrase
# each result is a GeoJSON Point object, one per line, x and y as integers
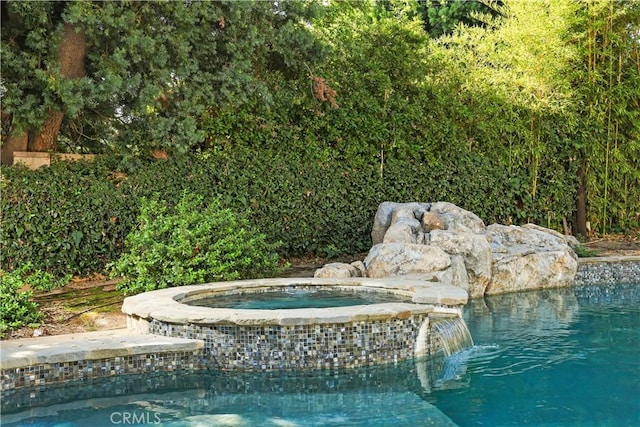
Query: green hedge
{"type": "Point", "coordinates": [67, 218]}
{"type": "Point", "coordinates": [74, 217]}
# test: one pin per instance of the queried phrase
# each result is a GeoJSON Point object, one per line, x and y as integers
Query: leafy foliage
{"type": "Point", "coordinates": [320, 205]}
{"type": "Point", "coordinates": [478, 118]}
{"type": "Point", "coordinates": [152, 68]}
{"type": "Point", "coordinates": [196, 243]}
{"type": "Point", "coordinates": [39, 280]}
{"type": "Point", "coordinates": [441, 17]}
{"type": "Point", "coordinates": [607, 81]}
{"type": "Point", "coordinates": [67, 218]}
{"type": "Point", "coordinates": [17, 307]}
{"type": "Point", "coordinates": [585, 252]}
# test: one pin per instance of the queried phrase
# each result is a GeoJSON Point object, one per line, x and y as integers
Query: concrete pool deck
{"type": "Point", "coordinates": [88, 346]}
{"type": "Point", "coordinates": [39, 361]}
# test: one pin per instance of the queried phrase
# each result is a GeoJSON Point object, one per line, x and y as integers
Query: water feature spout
{"type": "Point", "coordinates": [450, 334]}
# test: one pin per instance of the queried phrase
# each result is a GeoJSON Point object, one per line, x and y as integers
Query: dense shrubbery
{"type": "Point", "coordinates": [472, 119]}
{"type": "Point", "coordinates": [195, 242]}
{"type": "Point", "coordinates": [17, 307]}
{"type": "Point", "coordinates": [67, 218]}
{"type": "Point", "coordinates": [74, 217]}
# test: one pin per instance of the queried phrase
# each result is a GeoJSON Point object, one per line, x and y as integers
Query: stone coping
{"type": "Point", "coordinates": [168, 305]}
{"type": "Point", "coordinates": [88, 346]}
{"type": "Point", "coordinates": [609, 259]}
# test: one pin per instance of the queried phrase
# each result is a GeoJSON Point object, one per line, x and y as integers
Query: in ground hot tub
{"type": "Point", "coordinates": [306, 323]}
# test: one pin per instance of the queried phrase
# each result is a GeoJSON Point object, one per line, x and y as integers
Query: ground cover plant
{"type": "Point", "coordinates": [17, 307]}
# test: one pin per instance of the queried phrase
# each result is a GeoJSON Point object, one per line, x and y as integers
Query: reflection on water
{"type": "Point", "coordinates": [297, 297]}
{"type": "Point", "coordinates": [378, 396]}
{"type": "Point", "coordinates": [567, 357]}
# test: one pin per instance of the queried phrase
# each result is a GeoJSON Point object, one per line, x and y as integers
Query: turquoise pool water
{"type": "Point", "coordinates": [298, 298]}
{"type": "Point", "coordinates": [549, 358]}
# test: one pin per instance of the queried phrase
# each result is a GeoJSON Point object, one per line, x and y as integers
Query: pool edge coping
{"type": "Point", "coordinates": [165, 304]}
{"type": "Point", "coordinates": [97, 345]}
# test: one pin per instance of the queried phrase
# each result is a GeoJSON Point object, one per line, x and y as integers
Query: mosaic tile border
{"type": "Point", "coordinates": [216, 386]}
{"type": "Point", "coordinates": [608, 270]}
{"type": "Point", "coordinates": [315, 346]}
{"type": "Point", "coordinates": [48, 373]}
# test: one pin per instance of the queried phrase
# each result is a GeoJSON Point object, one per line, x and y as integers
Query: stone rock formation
{"type": "Point", "coordinates": [441, 242]}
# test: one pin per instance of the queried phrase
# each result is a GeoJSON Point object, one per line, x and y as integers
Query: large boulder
{"type": "Point", "coordinates": [528, 258]}
{"type": "Point", "coordinates": [569, 240]}
{"type": "Point", "coordinates": [458, 219]}
{"type": "Point", "coordinates": [535, 270]}
{"type": "Point", "coordinates": [431, 221]}
{"type": "Point", "coordinates": [340, 270]}
{"type": "Point", "coordinates": [474, 250]}
{"type": "Point", "coordinates": [525, 240]}
{"type": "Point", "coordinates": [404, 230]}
{"type": "Point", "coordinates": [399, 259]}
{"type": "Point", "coordinates": [445, 243]}
{"type": "Point", "coordinates": [455, 275]}
{"type": "Point", "coordinates": [389, 211]}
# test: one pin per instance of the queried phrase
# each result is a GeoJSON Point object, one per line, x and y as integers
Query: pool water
{"type": "Point", "coordinates": [298, 298]}
{"type": "Point", "coordinates": [549, 358]}
{"type": "Point", "coordinates": [566, 357]}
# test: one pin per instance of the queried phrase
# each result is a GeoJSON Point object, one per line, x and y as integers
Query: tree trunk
{"type": "Point", "coordinates": [11, 144]}
{"type": "Point", "coordinates": [47, 137]}
{"type": "Point", "coordinates": [71, 54]}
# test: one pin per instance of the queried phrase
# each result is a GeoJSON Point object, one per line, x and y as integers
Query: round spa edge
{"type": "Point", "coordinates": [169, 305]}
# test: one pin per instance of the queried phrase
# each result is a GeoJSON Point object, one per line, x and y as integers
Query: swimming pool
{"type": "Point", "coordinates": [554, 358]}
{"type": "Point", "coordinates": [565, 357]}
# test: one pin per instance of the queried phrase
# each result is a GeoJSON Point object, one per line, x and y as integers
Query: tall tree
{"type": "Point", "coordinates": [514, 85]}
{"type": "Point", "coordinates": [377, 66]}
{"type": "Point", "coordinates": [607, 83]}
{"type": "Point", "coordinates": [67, 62]}
{"type": "Point", "coordinates": [566, 73]}
{"type": "Point", "coordinates": [138, 74]}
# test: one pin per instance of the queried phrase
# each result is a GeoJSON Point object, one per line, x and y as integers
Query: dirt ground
{"type": "Point", "coordinates": [83, 305]}
{"type": "Point", "coordinates": [612, 246]}
{"type": "Point", "coordinates": [93, 304]}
